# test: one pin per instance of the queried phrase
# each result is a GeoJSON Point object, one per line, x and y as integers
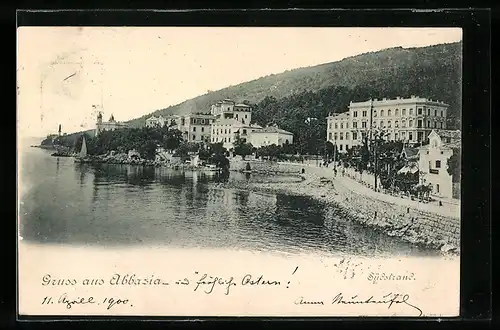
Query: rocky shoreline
{"type": "Point", "coordinates": [336, 200]}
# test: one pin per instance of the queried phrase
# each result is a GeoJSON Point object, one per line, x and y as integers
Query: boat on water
{"type": "Point", "coordinates": [83, 152]}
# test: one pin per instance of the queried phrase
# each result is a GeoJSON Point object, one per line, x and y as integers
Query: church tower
{"type": "Point", "coordinates": [98, 124]}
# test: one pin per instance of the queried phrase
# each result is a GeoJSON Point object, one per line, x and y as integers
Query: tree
{"type": "Point", "coordinates": [242, 148]}
{"type": "Point", "coordinates": [172, 139]}
{"type": "Point", "coordinates": [217, 148]}
{"type": "Point", "coordinates": [454, 165]}
{"type": "Point", "coordinates": [148, 150]}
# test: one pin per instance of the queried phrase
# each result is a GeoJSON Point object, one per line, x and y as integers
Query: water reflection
{"type": "Point", "coordinates": [121, 204]}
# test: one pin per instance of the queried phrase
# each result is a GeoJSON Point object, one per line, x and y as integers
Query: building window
{"type": "Point", "coordinates": [355, 124]}
{"type": "Point", "coordinates": [437, 188]}
{"type": "Point", "coordinates": [347, 125]}
{"type": "Point", "coordinates": [410, 123]}
{"type": "Point", "coordinates": [213, 131]}
{"type": "Point", "coordinates": [389, 113]}
{"type": "Point", "coordinates": [225, 131]}
{"type": "Point", "coordinates": [442, 113]}
{"type": "Point", "coordinates": [335, 136]}
{"type": "Point", "coordinates": [330, 125]}
{"type": "Point", "coordinates": [396, 136]}
{"type": "Point", "coordinates": [374, 113]}
{"type": "Point", "coordinates": [229, 131]}
{"type": "Point", "coordinates": [341, 125]}
{"type": "Point", "coordinates": [194, 129]}
{"type": "Point", "coordinates": [354, 136]}
{"type": "Point", "coordinates": [341, 147]}
{"type": "Point", "coordinates": [330, 136]}
{"type": "Point", "coordinates": [382, 124]}
{"type": "Point", "coordinates": [355, 114]}
{"type": "Point", "coordinates": [347, 136]}
{"type": "Point", "coordinates": [411, 111]}
{"type": "Point", "coordinates": [396, 112]}
{"type": "Point", "coordinates": [194, 137]}
{"type": "Point", "coordinates": [363, 124]}
{"type": "Point", "coordinates": [381, 113]}
{"type": "Point", "coordinates": [419, 124]}
{"type": "Point", "coordinates": [435, 113]}
{"type": "Point", "coordinates": [229, 140]}
{"type": "Point", "coordinates": [341, 136]}
{"type": "Point", "coordinates": [419, 111]}
{"type": "Point", "coordinates": [396, 123]}
{"type": "Point", "coordinates": [403, 112]}
{"type": "Point", "coordinates": [244, 132]}
{"type": "Point", "coordinates": [428, 112]}
{"type": "Point", "coordinates": [403, 123]}
{"type": "Point", "coordinates": [429, 123]}
{"type": "Point", "coordinates": [225, 139]}
{"type": "Point", "coordinates": [245, 116]}
{"type": "Point", "coordinates": [374, 124]}
{"type": "Point", "coordinates": [389, 123]}
{"type": "Point", "coordinates": [203, 129]}
{"type": "Point", "coordinates": [435, 124]}
{"type": "Point", "coordinates": [364, 113]}
{"type": "Point", "coordinates": [336, 126]}
{"type": "Point", "coordinates": [410, 136]}
{"type": "Point", "coordinates": [403, 135]}
{"type": "Point", "coordinates": [441, 124]}
{"type": "Point", "coordinates": [438, 164]}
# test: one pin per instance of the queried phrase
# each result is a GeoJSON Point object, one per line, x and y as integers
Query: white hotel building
{"type": "Point", "coordinates": [406, 119]}
{"type": "Point", "coordinates": [226, 122]}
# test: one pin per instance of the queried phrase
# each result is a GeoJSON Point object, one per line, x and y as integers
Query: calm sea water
{"type": "Point", "coordinates": [108, 205]}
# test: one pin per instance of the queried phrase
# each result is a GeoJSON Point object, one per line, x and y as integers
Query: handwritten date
{"type": "Point", "coordinates": [70, 302]}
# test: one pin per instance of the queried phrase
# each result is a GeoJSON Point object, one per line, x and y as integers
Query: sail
{"type": "Point", "coordinates": [83, 151]}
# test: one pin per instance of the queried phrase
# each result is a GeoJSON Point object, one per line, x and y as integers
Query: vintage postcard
{"type": "Point", "coordinates": [239, 171]}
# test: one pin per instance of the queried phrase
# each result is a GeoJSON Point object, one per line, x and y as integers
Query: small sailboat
{"type": "Point", "coordinates": [83, 151]}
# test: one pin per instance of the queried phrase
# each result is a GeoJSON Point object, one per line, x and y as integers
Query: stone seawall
{"type": "Point", "coordinates": [406, 219]}
{"type": "Point", "coordinates": [411, 224]}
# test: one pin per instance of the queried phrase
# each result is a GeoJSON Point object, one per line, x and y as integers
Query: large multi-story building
{"type": "Point", "coordinates": [433, 159]}
{"type": "Point", "coordinates": [110, 125]}
{"type": "Point", "coordinates": [227, 109]}
{"type": "Point", "coordinates": [226, 123]}
{"type": "Point", "coordinates": [232, 121]}
{"type": "Point", "coordinates": [194, 127]}
{"type": "Point", "coordinates": [406, 119]}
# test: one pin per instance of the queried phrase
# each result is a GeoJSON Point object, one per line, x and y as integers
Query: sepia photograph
{"type": "Point", "coordinates": [239, 171]}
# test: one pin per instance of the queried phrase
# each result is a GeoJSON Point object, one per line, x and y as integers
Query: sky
{"type": "Point", "coordinates": [66, 74]}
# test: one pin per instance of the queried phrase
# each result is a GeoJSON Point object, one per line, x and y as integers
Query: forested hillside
{"type": "Point", "coordinates": [287, 99]}
{"type": "Point", "coordinates": [433, 72]}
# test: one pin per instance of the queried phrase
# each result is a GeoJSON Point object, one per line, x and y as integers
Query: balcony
{"type": "Point", "coordinates": [433, 171]}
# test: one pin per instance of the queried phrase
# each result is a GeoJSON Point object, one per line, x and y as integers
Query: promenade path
{"type": "Point", "coordinates": [450, 208]}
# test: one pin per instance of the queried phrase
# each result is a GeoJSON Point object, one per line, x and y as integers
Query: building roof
{"type": "Point", "coordinates": [273, 129]}
{"type": "Point", "coordinates": [410, 152]}
{"type": "Point", "coordinates": [396, 101]}
{"type": "Point", "coordinates": [410, 168]}
{"type": "Point", "coordinates": [242, 105]}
